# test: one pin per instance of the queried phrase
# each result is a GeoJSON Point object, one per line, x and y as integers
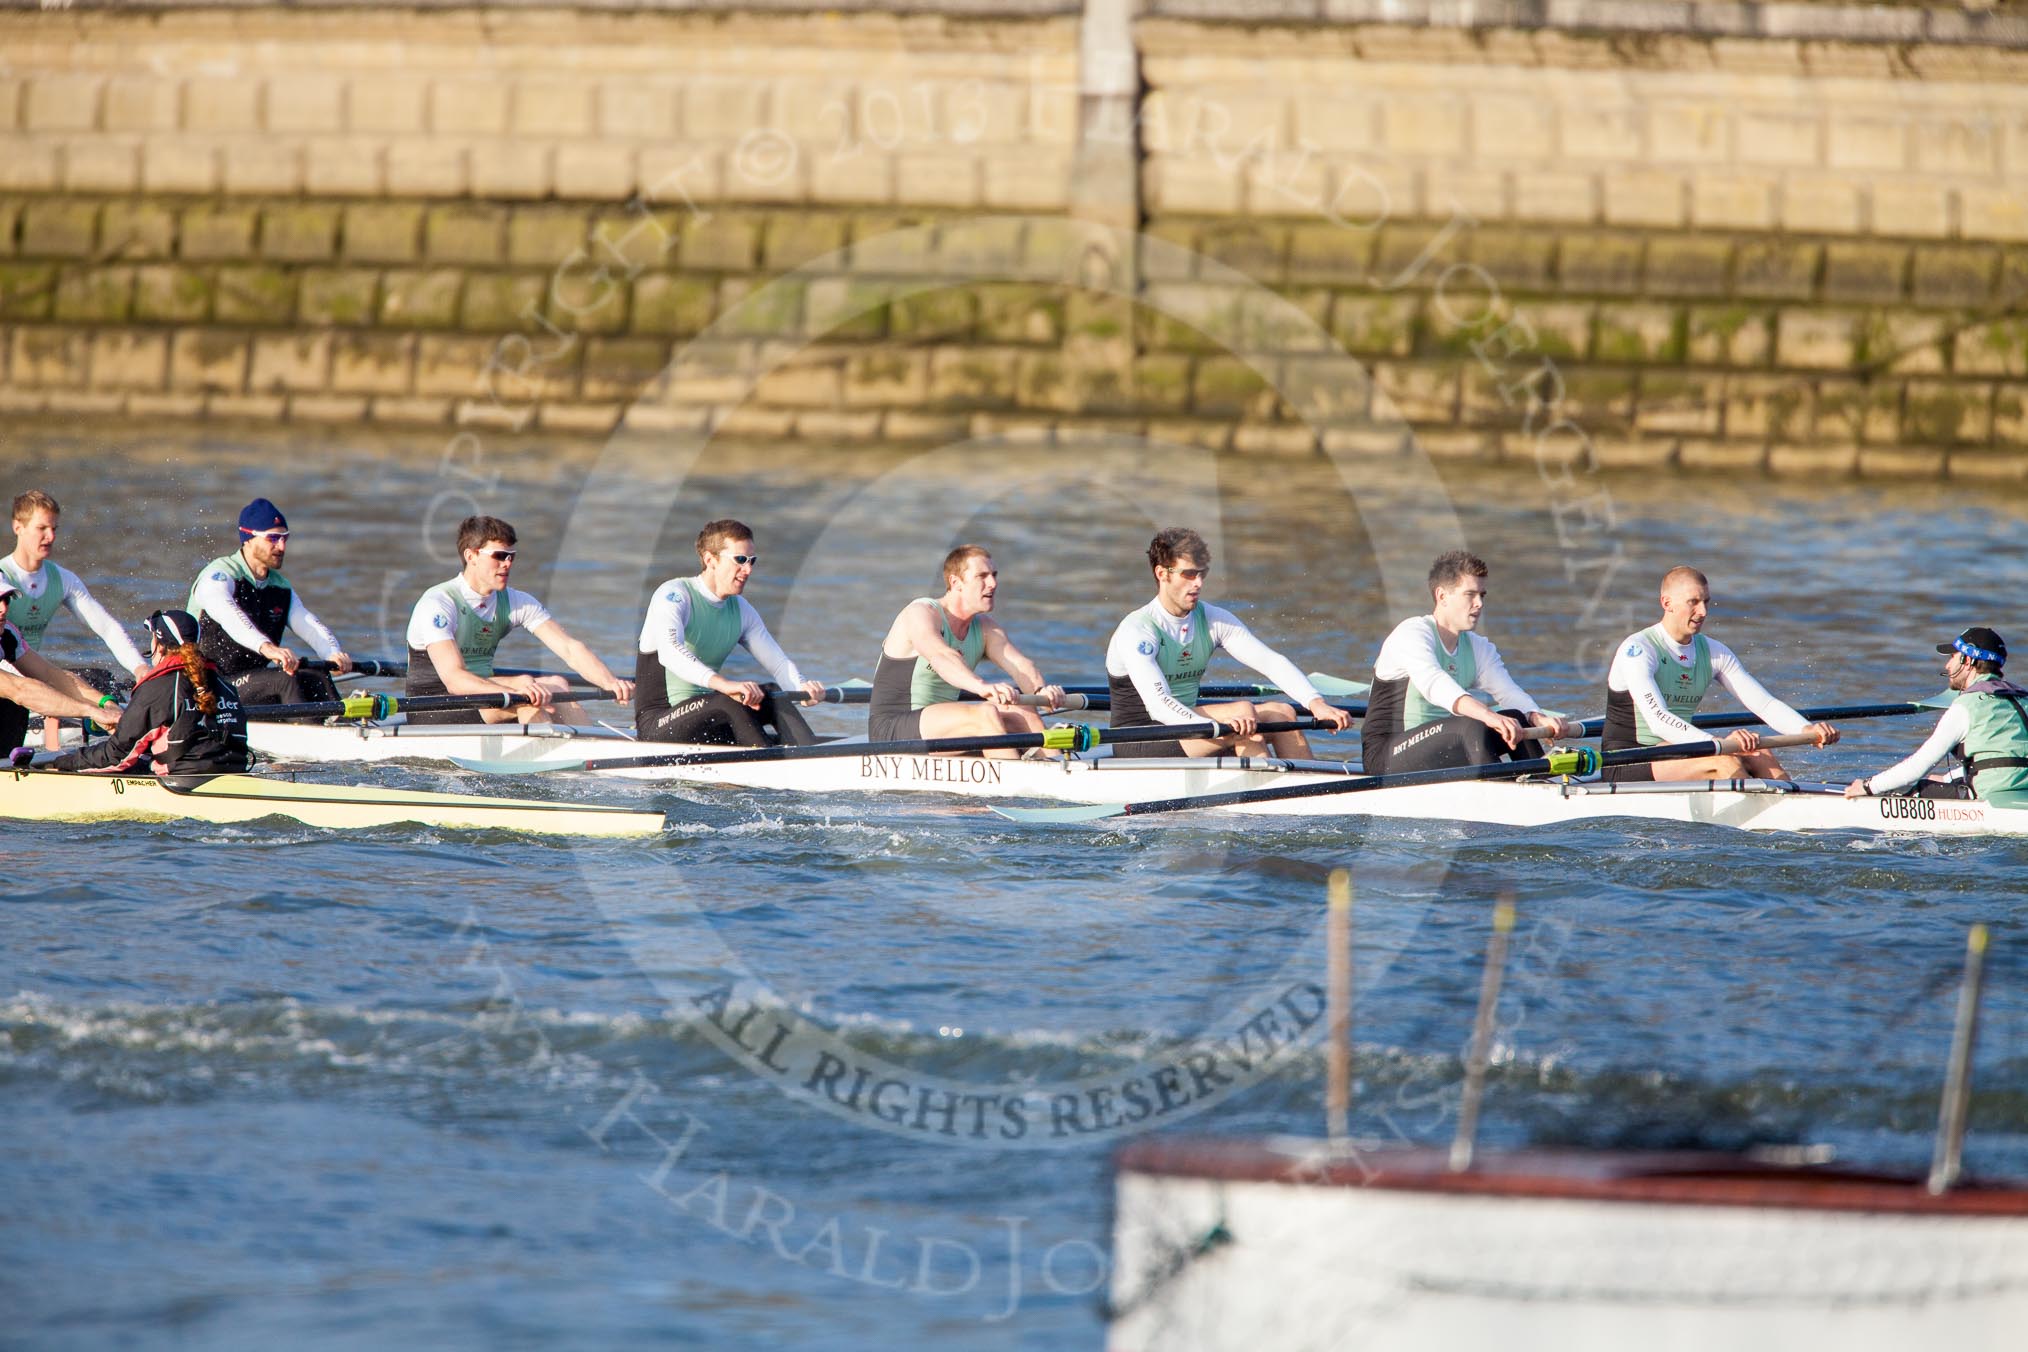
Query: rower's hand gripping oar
{"type": "Point", "coordinates": [1070, 737]}
{"type": "Point", "coordinates": [1561, 762]}
{"type": "Point", "coordinates": [362, 705]}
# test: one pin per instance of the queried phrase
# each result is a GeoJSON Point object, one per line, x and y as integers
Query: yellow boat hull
{"type": "Point", "coordinates": [44, 795]}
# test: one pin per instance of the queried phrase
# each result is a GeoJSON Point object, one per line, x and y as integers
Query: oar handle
{"type": "Point", "coordinates": [1070, 737]}
{"type": "Point", "coordinates": [365, 668]}
{"type": "Point", "coordinates": [370, 667]}
{"type": "Point", "coordinates": [374, 707]}
{"type": "Point", "coordinates": [1830, 713]}
{"type": "Point", "coordinates": [1075, 696]}
{"type": "Point", "coordinates": [861, 693]}
{"type": "Point", "coordinates": [1788, 740]}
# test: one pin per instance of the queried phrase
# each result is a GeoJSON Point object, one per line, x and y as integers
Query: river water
{"type": "Point", "coordinates": [846, 1073]}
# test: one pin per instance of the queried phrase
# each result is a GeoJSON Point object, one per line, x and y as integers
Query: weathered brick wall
{"type": "Point", "coordinates": [591, 106]}
{"type": "Point", "coordinates": [1802, 255]}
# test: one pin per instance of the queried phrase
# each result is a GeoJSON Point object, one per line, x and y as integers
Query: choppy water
{"type": "Point", "coordinates": [267, 1085]}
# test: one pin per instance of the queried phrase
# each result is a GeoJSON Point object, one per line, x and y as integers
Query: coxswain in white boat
{"type": "Point", "coordinates": [457, 626]}
{"type": "Point", "coordinates": [931, 656]}
{"type": "Point", "coordinates": [45, 587]}
{"type": "Point", "coordinates": [1441, 694]}
{"type": "Point", "coordinates": [244, 606]}
{"type": "Point", "coordinates": [1158, 654]}
{"type": "Point", "coordinates": [1986, 726]}
{"type": "Point", "coordinates": [184, 717]}
{"type": "Point", "coordinates": [1659, 677]}
{"type": "Point", "coordinates": [32, 684]}
{"type": "Point", "coordinates": [693, 624]}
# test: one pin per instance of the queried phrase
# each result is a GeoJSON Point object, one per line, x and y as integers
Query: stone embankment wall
{"type": "Point", "coordinates": [1789, 236]}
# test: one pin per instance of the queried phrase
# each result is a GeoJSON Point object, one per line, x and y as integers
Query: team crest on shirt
{"type": "Point", "coordinates": [1145, 648]}
{"type": "Point", "coordinates": [440, 622]}
{"type": "Point", "coordinates": [670, 597]}
{"type": "Point", "coordinates": [1633, 650]}
{"type": "Point", "coordinates": [218, 577]}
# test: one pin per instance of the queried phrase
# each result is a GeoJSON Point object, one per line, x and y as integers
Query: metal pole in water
{"type": "Point", "coordinates": [1948, 1161]}
{"type": "Point", "coordinates": [1338, 994]}
{"type": "Point", "coordinates": [1482, 1037]}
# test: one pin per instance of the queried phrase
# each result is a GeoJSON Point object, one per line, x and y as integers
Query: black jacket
{"type": "Point", "coordinates": [163, 723]}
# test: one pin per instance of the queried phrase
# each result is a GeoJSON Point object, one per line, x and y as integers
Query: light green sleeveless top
{"type": "Point", "coordinates": [478, 635]}
{"type": "Point", "coordinates": [711, 632]}
{"type": "Point", "coordinates": [1461, 666]}
{"type": "Point", "coordinates": [31, 615]}
{"type": "Point", "coordinates": [926, 687]}
{"type": "Point", "coordinates": [1682, 685]}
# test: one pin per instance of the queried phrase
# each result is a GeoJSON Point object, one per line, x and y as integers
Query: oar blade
{"type": "Point", "coordinates": [1942, 699]}
{"type": "Point", "coordinates": [500, 767]}
{"type": "Point", "coordinates": [1335, 687]}
{"type": "Point", "coordinates": [1080, 812]}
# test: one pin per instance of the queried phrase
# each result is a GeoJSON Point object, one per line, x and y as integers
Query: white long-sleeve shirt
{"type": "Point", "coordinates": [669, 617]}
{"type": "Point", "coordinates": [1633, 671]}
{"type": "Point", "coordinates": [1950, 730]}
{"type": "Point", "coordinates": [213, 595]}
{"type": "Point", "coordinates": [78, 600]}
{"type": "Point", "coordinates": [1129, 656]}
{"type": "Point", "coordinates": [1413, 651]}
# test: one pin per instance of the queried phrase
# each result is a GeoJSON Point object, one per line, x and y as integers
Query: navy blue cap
{"type": "Point", "coordinates": [173, 627]}
{"type": "Point", "coordinates": [260, 515]}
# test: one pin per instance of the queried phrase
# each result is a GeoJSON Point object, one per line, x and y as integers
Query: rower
{"type": "Point", "coordinates": [693, 624]}
{"type": "Point", "coordinates": [46, 587]}
{"type": "Point", "coordinates": [1987, 726]}
{"type": "Point", "coordinates": [1659, 677]}
{"type": "Point", "coordinates": [930, 657]}
{"type": "Point", "coordinates": [243, 605]}
{"type": "Point", "coordinates": [457, 625]}
{"type": "Point", "coordinates": [1158, 655]}
{"type": "Point", "coordinates": [1441, 695]}
{"type": "Point", "coordinates": [184, 718]}
{"type": "Point", "coordinates": [31, 684]}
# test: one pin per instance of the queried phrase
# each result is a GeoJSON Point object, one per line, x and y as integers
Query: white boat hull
{"type": "Point", "coordinates": [47, 795]}
{"type": "Point", "coordinates": [1212, 1263]}
{"type": "Point", "coordinates": [1104, 779]}
{"type": "Point", "coordinates": [1750, 805]}
{"type": "Point", "coordinates": [357, 743]}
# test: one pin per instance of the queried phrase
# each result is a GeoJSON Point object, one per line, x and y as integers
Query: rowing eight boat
{"type": "Point", "coordinates": [1104, 779]}
{"type": "Point", "coordinates": [47, 795]}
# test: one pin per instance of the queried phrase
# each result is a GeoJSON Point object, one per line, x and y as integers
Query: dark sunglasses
{"type": "Point", "coordinates": [498, 555]}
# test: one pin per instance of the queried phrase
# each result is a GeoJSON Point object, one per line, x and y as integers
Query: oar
{"type": "Point", "coordinates": [1074, 700]}
{"type": "Point", "coordinates": [1068, 737]}
{"type": "Point", "coordinates": [1574, 761]}
{"type": "Point", "coordinates": [385, 706]}
{"type": "Point", "coordinates": [366, 667]}
{"type": "Point", "coordinates": [1831, 713]}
